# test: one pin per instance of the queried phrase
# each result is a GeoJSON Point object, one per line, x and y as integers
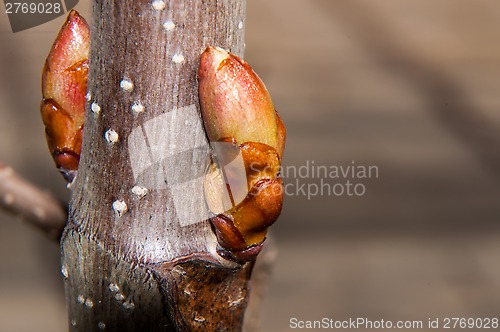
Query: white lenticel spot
{"type": "Point", "coordinates": [95, 108]}
{"type": "Point", "coordinates": [137, 108]}
{"type": "Point", "coordinates": [89, 303]}
{"type": "Point", "coordinates": [139, 191]}
{"type": "Point", "coordinates": [169, 25]}
{"type": "Point", "coordinates": [240, 25]}
{"type": "Point", "coordinates": [129, 305]}
{"type": "Point", "coordinates": [120, 208]}
{"type": "Point", "coordinates": [119, 297]}
{"type": "Point", "coordinates": [88, 96]}
{"type": "Point", "coordinates": [80, 299]}
{"type": "Point", "coordinates": [126, 85]}
{"type": "Point", "coordinates": [114, 287]}
{"type": "Point", "coordinates": [111, 136]}
{"type": "Point", "coordinates": [178, 58]}
{"type": "Point", "coordinates": [64, 271]}
{"type": "Point", "coordinates": [158, 5]}
{"type": "Point", "coordinates": [101, 325]}
{"type": "Point", "coordinates": [73, 322]}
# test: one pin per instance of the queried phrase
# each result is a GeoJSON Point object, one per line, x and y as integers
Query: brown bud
{"type": "Point", "coordinates": [234, 100]}
{"type": "Point", "coordinates": [64, 86]}
{"type": "Point", "coordinates": [237, 110]}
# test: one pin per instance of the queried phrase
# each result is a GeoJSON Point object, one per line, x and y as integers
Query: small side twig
{"type": "Point", "coordinates": [36, 206]}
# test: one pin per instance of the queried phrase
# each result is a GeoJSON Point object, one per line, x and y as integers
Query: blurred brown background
{"type": "Point", "coordinates": [412, 87]}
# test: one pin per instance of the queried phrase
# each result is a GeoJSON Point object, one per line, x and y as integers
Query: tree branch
{"type": "Point", "coordinates": [37, 207]}
{"type": "Point", "coordinates": [138, 252]}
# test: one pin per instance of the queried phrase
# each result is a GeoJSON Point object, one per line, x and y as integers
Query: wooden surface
{"type": "Point", "coordinates": [353, 80]}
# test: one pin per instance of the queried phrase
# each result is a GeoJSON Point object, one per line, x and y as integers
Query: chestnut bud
{"type": "Point", "coordinates": [64, 86]}
{"type": "Point", "coordinates": [237, 110]}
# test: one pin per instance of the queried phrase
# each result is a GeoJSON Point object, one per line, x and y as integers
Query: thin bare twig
{"type": "Point", "coordinates": [36, 206]}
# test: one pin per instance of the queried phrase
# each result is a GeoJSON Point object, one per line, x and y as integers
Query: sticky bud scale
{"type": "Point", "coordinates": [64, 87]}
{"type": "Point", "coordinates": [237, 109]}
